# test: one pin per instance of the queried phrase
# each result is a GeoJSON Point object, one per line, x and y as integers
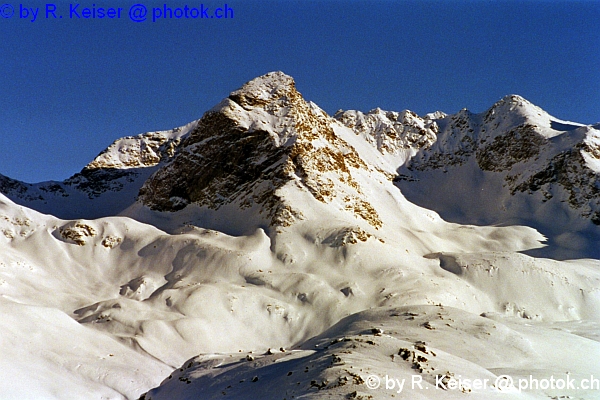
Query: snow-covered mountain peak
{"type": "Point", "coordinates": [435, 115]}
{"type": "Point", "coordinates": [513, 101]}
{"type": "Point", "coordinates": [272, 104]}
{"type": "Point", "coordinates": [111, 181]}
{"type": "Point", "coordinates": [513, 104]}
{"type": "Point", "coordinates": [257, 147]}
{"type": "Point", "coordinates": [514, 110]}
{"type": "Point", "coordinates": [521, 155]}
{"type": "Point", "coordinates": [510, 131]}
{"type": "Point", "coordinates": [264, 89]}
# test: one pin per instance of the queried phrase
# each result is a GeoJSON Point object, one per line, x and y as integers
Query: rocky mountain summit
{"type": "Point", "coordinates": [392, 132]}
{"type": "Point", "coordinates": [259, 142]}
{"type": "Point", "coordinates": [267, 155]}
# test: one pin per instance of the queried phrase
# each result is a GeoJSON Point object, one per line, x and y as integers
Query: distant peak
{"type": "Point", "coordinates": [376, 111]}
{"type": "Point", "coordinates": [435, 115]}
{"type": "Point", "coordinates": [513, 102]}
{"type": "Point", "coordinates": [515, 110]}
{"type": "Point", "coordinates": [514, 98]}
{"type": "Point", "coordinates": [464, 112]}
{"type": "Point", "coordinates": [264, 89]}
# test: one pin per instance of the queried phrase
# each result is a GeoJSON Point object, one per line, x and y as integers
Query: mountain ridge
{"type": "Point", "coordinates": [527, 158]}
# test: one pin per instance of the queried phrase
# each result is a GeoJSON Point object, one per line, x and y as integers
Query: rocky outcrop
{"type": "Point", "coordinates": [570, 171]}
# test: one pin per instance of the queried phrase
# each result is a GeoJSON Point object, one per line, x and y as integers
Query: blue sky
{"type": "Point", "coordinates": [69, 87]}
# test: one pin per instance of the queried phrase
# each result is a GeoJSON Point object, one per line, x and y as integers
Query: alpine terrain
{"type": "Point", "coordinates": [271, 251]}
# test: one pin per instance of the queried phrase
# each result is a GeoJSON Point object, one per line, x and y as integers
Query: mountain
{"type": "Point", "coordinates": [267, 250]}
{"type": "Point", "coordinates": [249, 149]}
{"type": "Point", "coordinates": [513, 164]}
{"type": "Point", "coordinates": [106, 185]}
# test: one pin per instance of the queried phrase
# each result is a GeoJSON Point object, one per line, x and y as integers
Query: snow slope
{"type": "Point", "coordinates": [271, 255]}
{"type": "Point", "coordinates": [412, 352]}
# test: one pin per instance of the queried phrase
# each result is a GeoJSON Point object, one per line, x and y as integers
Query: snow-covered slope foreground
{"type": "Point", "coordinates": [270, 254]}
{"type": "Point", "coordinates": [414, 352]}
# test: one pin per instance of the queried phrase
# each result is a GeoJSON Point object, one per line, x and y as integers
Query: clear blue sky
{"type": "Point", "coordinates": [69, 87]}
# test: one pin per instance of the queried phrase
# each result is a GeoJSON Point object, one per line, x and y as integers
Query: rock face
{"type": "Point", "coordinates": [261, 138]}
{"type": "Point", "coordinates": [15, 188]}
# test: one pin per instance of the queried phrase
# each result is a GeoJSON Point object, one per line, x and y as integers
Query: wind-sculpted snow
{"type": "Point", "coordinates": [169, 297]}
{"type": "Point", "coordinates": [271, 255]}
